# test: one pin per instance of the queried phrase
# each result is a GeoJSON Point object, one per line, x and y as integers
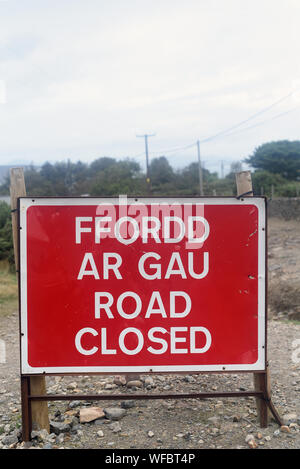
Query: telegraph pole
{"type": "Point", "coordinates": [200, 169]}
{"type": "Point", "coordinates": [146, 136]}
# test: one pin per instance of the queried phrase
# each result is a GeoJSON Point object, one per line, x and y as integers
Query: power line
{"type": "Point", "coordinates": [139, 155]}
{"type": "Point", "coordinates": [226, 131]}
{"type": "Point", "coordinates": [253, 116]}
{"type": "Point", "coordinates": [228, 134]}
{"type": "Point", "coordinates": [174, 150]}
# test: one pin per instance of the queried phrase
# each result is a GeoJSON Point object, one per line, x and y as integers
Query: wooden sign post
{"type": "Point", "coordinates": [35, 384]}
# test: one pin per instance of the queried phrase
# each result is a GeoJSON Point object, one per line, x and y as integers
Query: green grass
{"type": "Point", "coordinates": [8, 291]}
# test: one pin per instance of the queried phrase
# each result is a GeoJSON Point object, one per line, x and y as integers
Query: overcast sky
{"type": "Point", "coordinates": [80, 78]}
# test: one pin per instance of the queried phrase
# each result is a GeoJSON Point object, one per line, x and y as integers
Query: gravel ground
{"type": "Point", "coordinates": [168, 424]}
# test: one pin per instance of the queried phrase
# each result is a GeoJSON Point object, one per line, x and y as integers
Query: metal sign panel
{"type": "Point", "coordinates": [142, 285]}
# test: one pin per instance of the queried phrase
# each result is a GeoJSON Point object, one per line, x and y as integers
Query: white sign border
{"type": "Point", "coordinates": [260, 365]}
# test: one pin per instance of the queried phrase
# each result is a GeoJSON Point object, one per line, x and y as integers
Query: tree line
{"type": "Point", "coordinates": [276, 172]}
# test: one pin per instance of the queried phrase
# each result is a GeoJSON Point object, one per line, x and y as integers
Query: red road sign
{"type": "Point", "coordinates": [142, 285]}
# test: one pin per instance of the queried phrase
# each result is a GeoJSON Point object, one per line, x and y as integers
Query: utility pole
{"type": "Point", "coordinates": [148, 180]}
{"type": "Point", "coordinates": [200, 169]}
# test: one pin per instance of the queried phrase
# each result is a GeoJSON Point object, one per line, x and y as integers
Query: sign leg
{"type": "Point", "coordinates": [39, 409]}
